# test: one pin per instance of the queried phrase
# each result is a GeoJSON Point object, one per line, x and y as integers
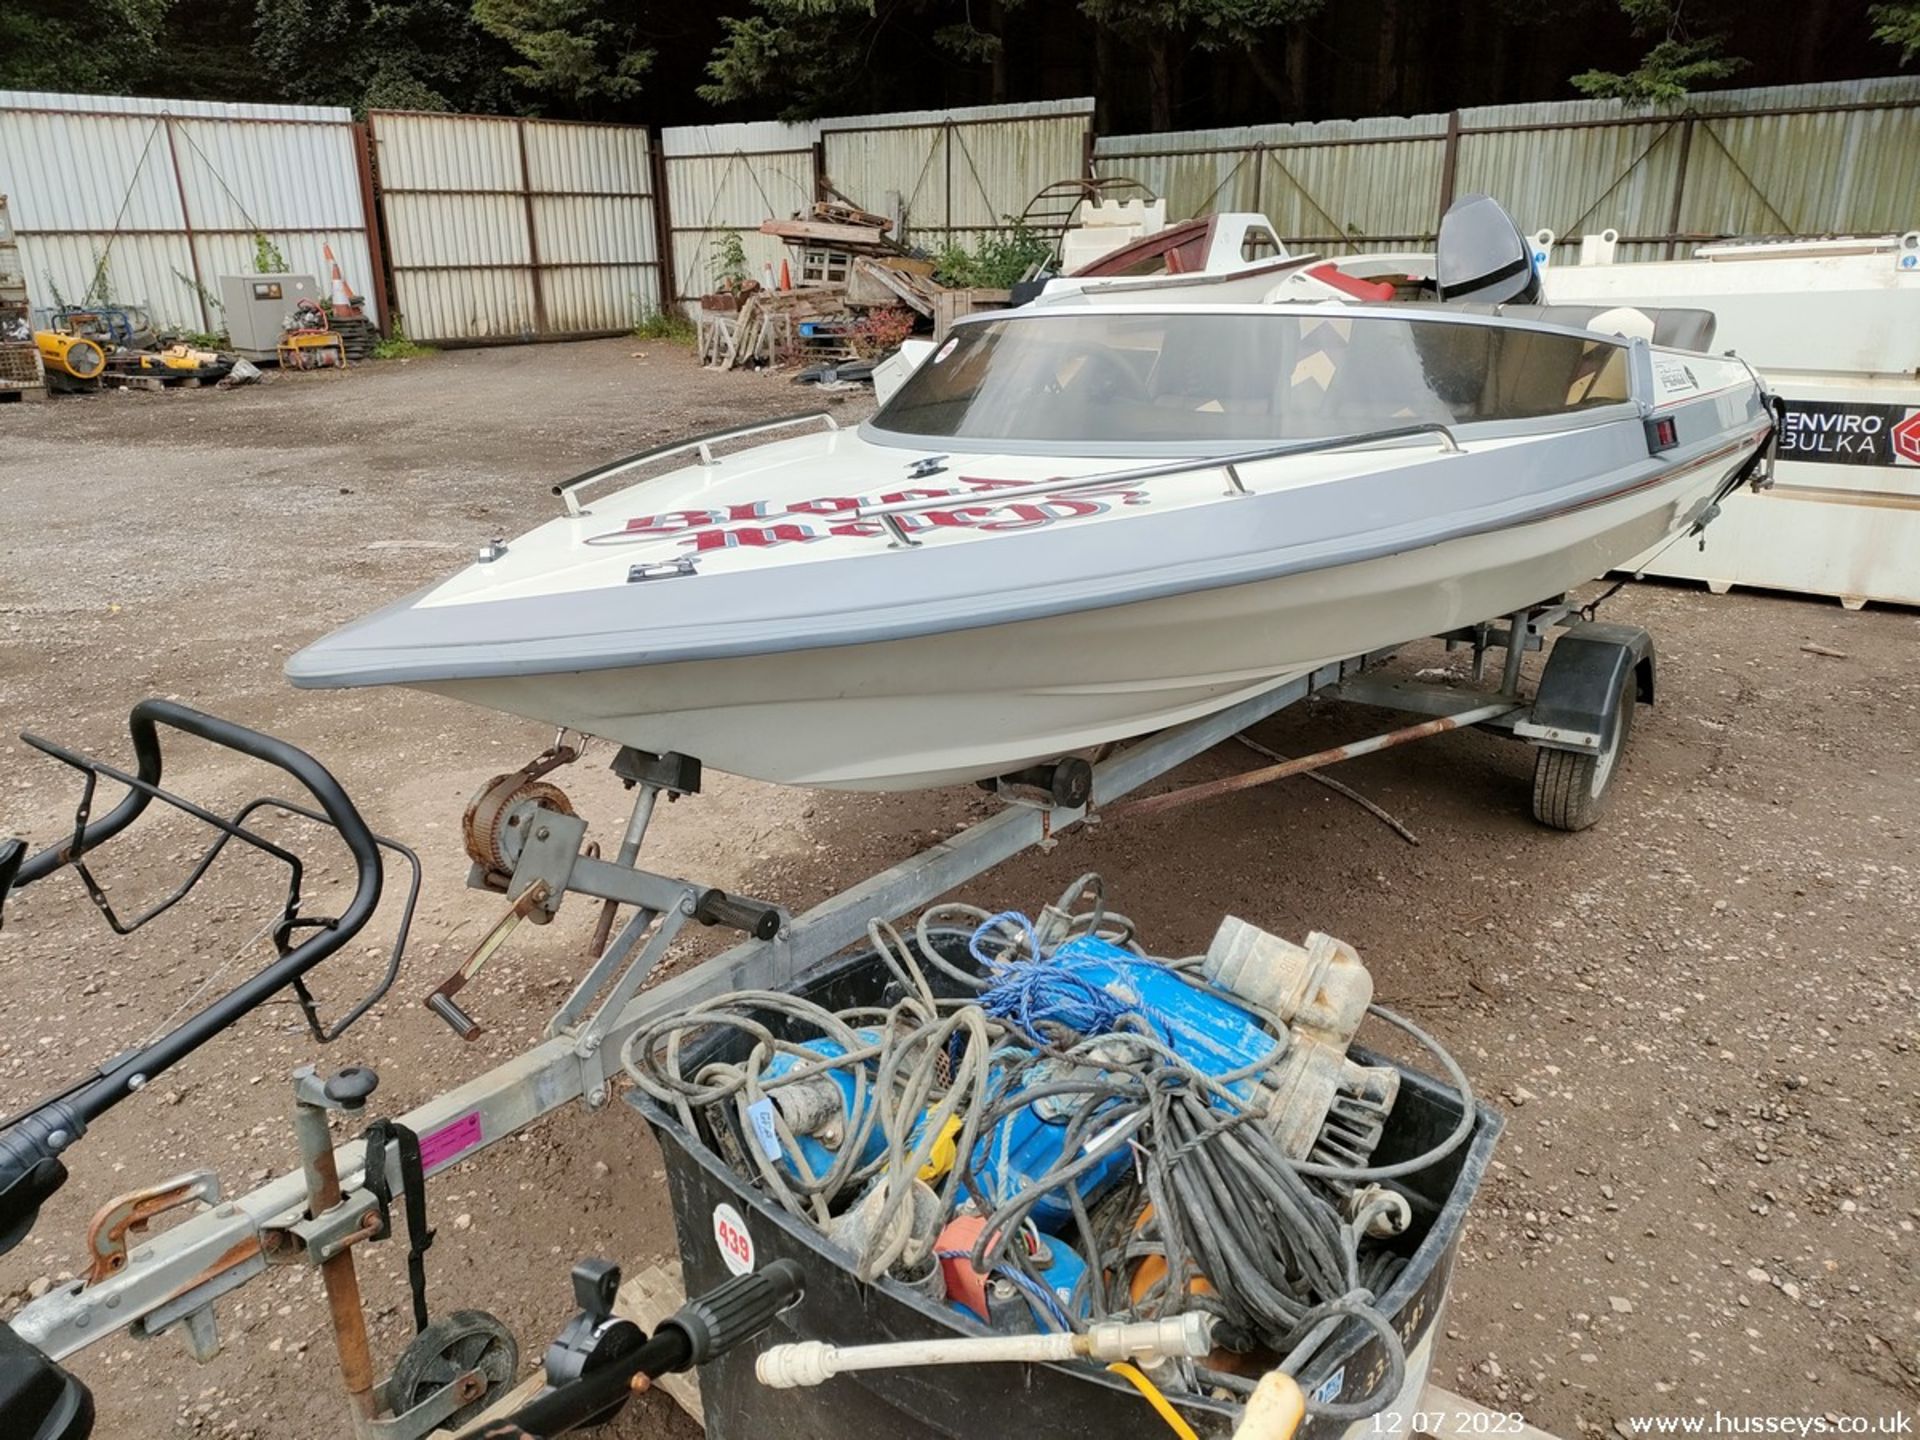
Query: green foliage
{"type": "Point", "coordinates": [398, 347]}
{"type": "Point", "coordinates": [730, 264]}
{"type": "Point", "coordinates": [420, 55]}
{"type": "Point", "coordinates": [267, 259]}
{"type": "Point", "coordinates": [85, 45]}
{"type": "Point", "coordinates": [1898, 24]}
{"type": "Point", "coordinates": [1205, 24]}
{"type": "Point", "coordinates": [809, 56]}
{"type": "Point", "coordinates": [671, 325]}
{"type": "Point", "coordinates": [206, 53]}
{"type": "Point", "coordinates": [202, 339]}
{"type": "Point", "coordinates": [1001, 259]}
{"type": "Point", "coordinates": [805, 55]}
{"type": "Point", "coordinates": [207, 297]}
{"type": "Point", "coordinates": [100, 288]}
{"type": "Point", "coordinates": [1677, 63]}
{"type": "Point", "coordinates": [578, 52]}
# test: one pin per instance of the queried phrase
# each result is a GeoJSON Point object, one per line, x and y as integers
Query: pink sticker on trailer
{"type": "Point", "coordinates": [450, 1141]}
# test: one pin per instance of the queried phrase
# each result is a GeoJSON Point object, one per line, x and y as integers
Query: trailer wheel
{"type": "Point", "coordinates": [447, 1349]}
{"type": "Point", "coordinates": [1570, 789]}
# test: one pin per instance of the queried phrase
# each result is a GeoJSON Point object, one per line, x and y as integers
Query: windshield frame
{"type": "Point", "coordinates": [1639, 381]}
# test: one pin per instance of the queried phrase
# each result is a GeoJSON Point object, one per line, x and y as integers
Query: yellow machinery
{"type": "Point", "coordinates": [311, 350]}
{"type": "Point", "coordinates": [73, 356]}
{"type": "Point", "coordinates": [176, 362]}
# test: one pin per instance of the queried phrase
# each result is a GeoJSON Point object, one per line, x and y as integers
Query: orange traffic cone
{"type": "Point", "coordinates": [342, 297]}
{"type": "Point", "coordinates": [786, 275]}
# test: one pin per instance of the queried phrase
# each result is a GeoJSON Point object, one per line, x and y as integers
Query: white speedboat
{"type": "Point", "coordinates": [1071, 525]}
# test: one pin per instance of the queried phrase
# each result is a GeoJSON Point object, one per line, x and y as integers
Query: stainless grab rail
{"type": "Point", "coordinates": [889, 513]}
{"type": "Point", "coordinates": [565, 489]}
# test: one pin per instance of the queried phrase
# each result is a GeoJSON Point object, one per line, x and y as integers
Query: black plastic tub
{"type": "Point", "coordinates": [724, 1224]}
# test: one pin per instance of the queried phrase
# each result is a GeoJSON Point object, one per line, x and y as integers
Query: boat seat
{"type": "Point", "coordinates": [1676, 326]}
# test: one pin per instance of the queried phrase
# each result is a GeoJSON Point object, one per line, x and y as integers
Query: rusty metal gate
{"type": "Point", "coordinates": [514, 229]}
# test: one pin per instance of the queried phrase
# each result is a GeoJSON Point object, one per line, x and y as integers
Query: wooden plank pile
{"type": "Point", "coordinates": [21, 374]}
{"type": "Point", "coordinates": [766, 329]}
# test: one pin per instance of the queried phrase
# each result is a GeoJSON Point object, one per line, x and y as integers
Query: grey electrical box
{"type": "Point", "coordinates": [258, 307]}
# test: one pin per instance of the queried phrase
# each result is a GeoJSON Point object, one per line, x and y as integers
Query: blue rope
{"type": "Point", "coordinates": [994, 963]}
{"type": "Point", "coordinates": [1031, 992]}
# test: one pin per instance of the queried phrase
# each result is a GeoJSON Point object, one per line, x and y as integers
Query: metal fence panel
{"type": "Point", "coordinates": [958, 174]}
{"type": "Point", "coordinates": [150, 202]}
{"type": "Point", "coordinates": [1856, 170]}
{"type": "Point", "coordinates": [516, 229]}
{"type": "Point", "coordinates": [1573, 181]}
{"type": "Point", "coordinates": [1816, 159]}
{"type": "Point", "coordinates": [1329, 185]}
{"type": "Point", "coordinates": [729, 178]}
{"type": "Point", "coordinates": [957, 170]}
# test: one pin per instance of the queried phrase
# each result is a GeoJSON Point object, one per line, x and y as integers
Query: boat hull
{"type": "Point", "coordinates": [967, 704]}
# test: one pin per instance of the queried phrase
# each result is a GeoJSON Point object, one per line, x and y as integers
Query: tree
{"type": "Point", "coordinates": [1898, 24]}
{"type": "Point", "coordinates": [804, 54]}
{"type": "Point", "coordinates": [1162, 29]}
{"type": "Point", "coordinates": [88, 45]}
{"type": "Point", "coordinates": [816, 57]}
{"type": "Point", "coordinates": [1678, 62]}
{"type": "Point", "coordinates": [380, 54]}
{"type": "Point", "coordinates": [573, 52]}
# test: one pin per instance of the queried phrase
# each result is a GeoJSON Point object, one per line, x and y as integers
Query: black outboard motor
{"type": "Point", "coordinates": [1481, 255]}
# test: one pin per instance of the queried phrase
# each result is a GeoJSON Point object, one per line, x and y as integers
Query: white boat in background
{"type": "Point", "coordinates": [1833, 326]}
{"type": "Point", "coordinates": [1074, 524]}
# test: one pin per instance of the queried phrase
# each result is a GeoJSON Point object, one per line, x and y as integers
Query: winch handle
{"type": "Point", "coordinates": [736, 912]}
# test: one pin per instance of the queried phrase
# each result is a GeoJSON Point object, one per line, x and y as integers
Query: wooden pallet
{"type": "Point", "coordinates": [12, 393]}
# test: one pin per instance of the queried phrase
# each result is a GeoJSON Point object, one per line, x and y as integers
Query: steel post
{"type": "Point", "coordinates": [337, 1273]}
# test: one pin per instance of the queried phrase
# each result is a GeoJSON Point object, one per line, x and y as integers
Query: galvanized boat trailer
{"type": "Point", "coordinates": [529, 845]}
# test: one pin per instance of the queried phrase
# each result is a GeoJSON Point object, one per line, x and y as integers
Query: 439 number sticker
{"type": "Point", "coordinates": [730, 1234]}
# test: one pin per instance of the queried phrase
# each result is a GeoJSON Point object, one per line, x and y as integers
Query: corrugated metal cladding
{"type": "Point", "coordinates": [163, 191]}
{"type": "Point", "coordinates": [1830, 170]}
{"type": "Point", "coordinates": [957, 170]}
{"type": "Point", "coordinates": [1351, 178]}
{"type": "Point", "coordinates": [508, 229]}
{"type": "Point", "coordinates": [724, 178]}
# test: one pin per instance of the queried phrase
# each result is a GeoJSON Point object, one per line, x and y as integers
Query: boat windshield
{"type": "Point", "coordinates": [1191, 377]}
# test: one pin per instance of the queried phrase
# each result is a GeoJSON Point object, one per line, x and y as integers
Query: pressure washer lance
{"type": "Point", "coordinates": [612, 1355]}
{"type": "Point", "coordinates": [814, 1362]}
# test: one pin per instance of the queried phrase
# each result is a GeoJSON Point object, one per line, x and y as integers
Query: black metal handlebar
{"type": "Point", "coordinates": [143, 724]}
{"type": "Point", "coordinates": [32, 1142]}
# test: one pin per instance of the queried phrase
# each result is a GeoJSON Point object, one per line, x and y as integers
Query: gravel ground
{"type": "Point", "coordinates": [1700, 1018]}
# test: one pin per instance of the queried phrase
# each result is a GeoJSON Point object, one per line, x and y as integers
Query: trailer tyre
{"type": "Point", "coordinates": [448, 1348]}
{"type": "Point", "coordinates": [1570, 789]}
